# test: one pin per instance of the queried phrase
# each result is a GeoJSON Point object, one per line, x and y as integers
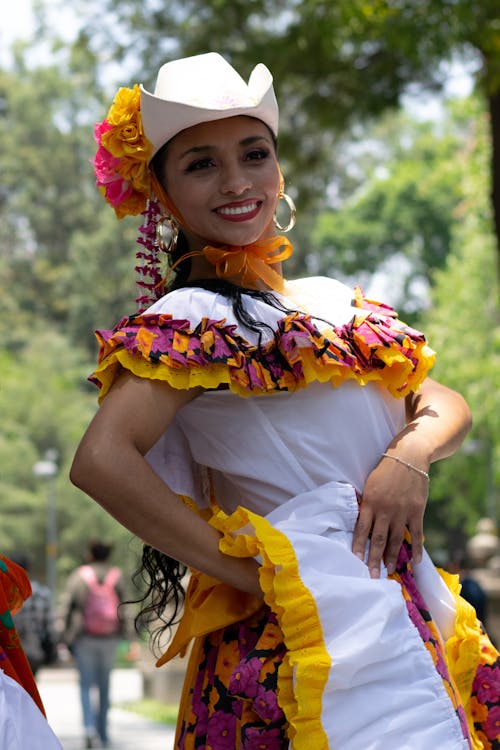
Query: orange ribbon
{"type": "Point", "coordinates": [250, 262]}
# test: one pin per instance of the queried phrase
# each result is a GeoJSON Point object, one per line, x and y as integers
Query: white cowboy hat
{"type": "Point", "coordinates": [201, 89]}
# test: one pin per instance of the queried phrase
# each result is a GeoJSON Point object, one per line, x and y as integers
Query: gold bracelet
{"type": "Point", "coordinates": [408, 465]}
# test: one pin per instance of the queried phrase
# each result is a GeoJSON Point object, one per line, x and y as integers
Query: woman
{"type": "Point", "coordinates": [275, 438]}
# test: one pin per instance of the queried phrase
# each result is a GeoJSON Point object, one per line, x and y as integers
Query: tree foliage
{"type": "Point", "coordinates": [463, 324]}
{"type": "Point", "coordinates": [65, 269]}
{"type": "Point", "coordinates": [403, 212]}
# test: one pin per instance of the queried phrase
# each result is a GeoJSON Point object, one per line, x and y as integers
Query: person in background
{"type": "Point", "coordinates": [93, 627]}
{"type": "Point", "coordinates": [23, 725]}
{"type": "Point", "coordinates": [275, 437]}
{"type": "Point", "coordinates": [35, 622]}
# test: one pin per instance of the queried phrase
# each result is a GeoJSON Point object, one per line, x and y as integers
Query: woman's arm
{"type": "Point", "coordinates": [395, 496]}
{"type": "Point", "coordinates": [109, 465]}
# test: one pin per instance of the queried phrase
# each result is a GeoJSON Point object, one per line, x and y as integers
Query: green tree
{"type": "Point", "coordinates": [463, 325]}
{"type": "Point", "coordinates": [403, 213]}
{"type": "Point", "coordinates": [45, 404]}
{"type": "Point", "coordinates": [63, 257]}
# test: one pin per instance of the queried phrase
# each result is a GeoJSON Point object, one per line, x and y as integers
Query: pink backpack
{"type": "Point", "coordinates": [100, 612]}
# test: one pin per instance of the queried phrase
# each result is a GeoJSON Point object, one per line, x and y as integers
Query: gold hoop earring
{"type": "Point", "coordinates": [293, 212]}
{"type": "Point", "coordinates": [167, 233]}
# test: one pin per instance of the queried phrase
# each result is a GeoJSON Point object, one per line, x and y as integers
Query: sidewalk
{"type": "Point", "coordinates": [128, 731]}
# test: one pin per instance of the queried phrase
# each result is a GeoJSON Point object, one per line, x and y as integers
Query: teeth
{"type": "Point", "coordinates": [237, 210]}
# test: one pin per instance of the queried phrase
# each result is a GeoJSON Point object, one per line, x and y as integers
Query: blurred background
{"type": "Point", "coordinates": [390, 146]}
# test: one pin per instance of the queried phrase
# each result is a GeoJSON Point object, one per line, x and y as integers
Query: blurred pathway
{"type": "Point", "coordinates": [128, 731]}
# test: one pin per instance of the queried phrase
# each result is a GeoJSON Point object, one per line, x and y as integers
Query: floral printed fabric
{"type": "Point", "coordinates": [485, 695]}
{"type": "Point", "coordinates": [421, 618]}
{"type": "Point", "coordinates": [374, 345]}
{"type": "Point", "coordinates": [485, 700]}
{"type": "Point", "coordinates": [232, 703]}
{"type": "Point", "coordinates": [14, 589]}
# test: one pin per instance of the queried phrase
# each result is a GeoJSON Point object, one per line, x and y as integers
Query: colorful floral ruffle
{"type": "Point", "coordinates": [373, 346]}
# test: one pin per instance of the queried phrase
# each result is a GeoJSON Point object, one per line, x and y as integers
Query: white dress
{"type": "Point", "coordinates": [287, 465]}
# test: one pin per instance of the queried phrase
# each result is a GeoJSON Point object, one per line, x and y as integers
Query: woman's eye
{"type": "Point", "coordinates": [257, 154]}
{"type": "Point", "coordinates": [199, 164]}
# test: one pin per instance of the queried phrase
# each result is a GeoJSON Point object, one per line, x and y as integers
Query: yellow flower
{"type": "Point", "coordinates": [126, 137]}
{"type": "Point", "coordinates": [132, 206]}
{"type": "Point", "coordinates": [126, 104]}
{"type": "Point", "coordinates": [137, 173]}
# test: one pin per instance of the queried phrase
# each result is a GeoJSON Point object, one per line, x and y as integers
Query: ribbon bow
{"type": "Point", "coordinates": [248, 263]}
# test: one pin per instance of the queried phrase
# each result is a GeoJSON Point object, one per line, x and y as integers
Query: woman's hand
{"type": "Point", "coordinates": [394, 498]}
{"type": "Point", "coordinates": [395, 495]}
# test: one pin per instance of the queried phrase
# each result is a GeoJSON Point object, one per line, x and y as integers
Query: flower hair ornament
{"type": "Point", "coordinates": [123, 154]}
{"type": "Point", "coordinates": [121, 168]}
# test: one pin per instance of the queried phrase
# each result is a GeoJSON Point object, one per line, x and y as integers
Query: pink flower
{"type": "Point", "coordinates": [492, 724]}
{"type": "Point", "coordinates": [118, 191]}
{"type": "Point", "coordinates": [257, 739]}
{"type": "Point", "coordinates": [99, 129]}
{"type": "Point", "coordinates": [244, 678]}
{"type": "Point", "coordinates": [221, 732]}
{"type": "Point", "coordinates": [121, 162]}
{"type": "Point", "coordinates": [105, 166]}
{"type": "Point", "coordinates": [487, 684]}
{"type": "Point", "coordinates": [266, 705]}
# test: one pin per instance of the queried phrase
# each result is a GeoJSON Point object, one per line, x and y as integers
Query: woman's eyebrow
{"type": "Point", "coordinates": [196, 150]}
{"type": "Point", "coordinates": [252, 139]}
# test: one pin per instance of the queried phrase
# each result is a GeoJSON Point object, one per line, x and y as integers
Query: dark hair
{"type": "Point", "coordinates": [159, 576]}
{"type": "Point", "coordinates": [160, 579]}
{"type": "Point", "coordinates": [100, 551]}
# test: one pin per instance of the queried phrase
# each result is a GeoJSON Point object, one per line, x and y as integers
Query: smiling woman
{"type": "Point", "coordinates": [274, 437]}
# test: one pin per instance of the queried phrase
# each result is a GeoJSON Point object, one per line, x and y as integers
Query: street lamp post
{"type": "Point", "coordinates": [47, 469]}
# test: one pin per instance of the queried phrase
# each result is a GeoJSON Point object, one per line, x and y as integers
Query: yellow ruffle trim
{"type": "Point", "coordinates": [465, 650]}
{"type": "Point", "coordinates": [305, 669]}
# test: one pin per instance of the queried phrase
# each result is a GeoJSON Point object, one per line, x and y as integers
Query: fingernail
{"type": "Point", "coordinates": [391, 568]}
{"type": "Point", "coordinates": [374, 573]}
{"type": "Point", "coordinates": [359, 555]}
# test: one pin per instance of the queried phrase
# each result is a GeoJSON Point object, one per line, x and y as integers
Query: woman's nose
{"type": "Point", "coordinates": [234, 180]}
